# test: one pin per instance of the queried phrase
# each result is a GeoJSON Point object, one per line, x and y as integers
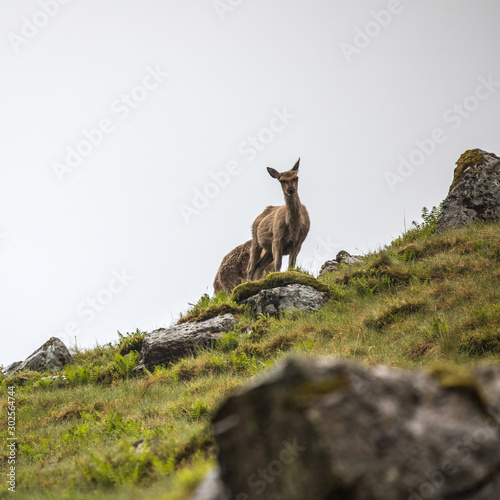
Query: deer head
{"type": "Point", "coordinates": [289, 180]}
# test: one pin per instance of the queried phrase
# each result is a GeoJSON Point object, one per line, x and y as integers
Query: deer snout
{"type": "Point", "coordinates": [290, 190]}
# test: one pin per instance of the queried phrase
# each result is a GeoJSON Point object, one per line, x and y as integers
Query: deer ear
{"type": "Point", "coordinates": [296, 166]}
{"type": "Point", "coordinates": [273, 173]}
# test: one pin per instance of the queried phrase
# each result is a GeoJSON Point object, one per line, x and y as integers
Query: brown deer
{"type": "Point", "coordinates": [279, 231]}
{"type": "Point", "coordinates": [233, 268]}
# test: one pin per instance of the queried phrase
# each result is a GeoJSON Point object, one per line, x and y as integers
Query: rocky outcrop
{"type": "Point", "coordinates": [328, 267]}
{"type": "Point", "coordinates": [12, 369]}
{"type": "Point", "coordinates": [166, 345]}
{"type": "Point", "coordinates": [50, 357]}
{"type": "Point", "coordinates": [474, 193]}
{"type": "Point", "coordinates": [336, 430]}
{"type": "Point", "coordinates": [342, 257]}
{"type": "Point", "coordinates": [277, 300]}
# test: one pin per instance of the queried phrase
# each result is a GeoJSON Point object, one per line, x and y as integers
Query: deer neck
{"type": "Point", "coordinates": [292, 207]}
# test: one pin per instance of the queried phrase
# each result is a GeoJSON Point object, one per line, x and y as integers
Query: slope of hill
{"type": "Point", "coordinates": [423, 300]}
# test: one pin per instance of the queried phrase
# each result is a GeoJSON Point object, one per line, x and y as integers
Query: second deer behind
{"type": "Point", "coordinates": [279, 231]}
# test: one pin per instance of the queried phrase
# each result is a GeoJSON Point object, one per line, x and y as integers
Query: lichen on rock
{"type": "Point", "coordinates": [474, 193]}
{"type": "Point", "coordinates": [470, 159]}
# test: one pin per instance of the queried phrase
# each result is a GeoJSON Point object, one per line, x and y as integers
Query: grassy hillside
{"type": "Point", "coordinates": [425, 299]}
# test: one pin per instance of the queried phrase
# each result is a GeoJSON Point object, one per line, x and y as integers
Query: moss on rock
{"type": "Point", "coordinates": [461, 379]}
{"type": "Point", "coordinates": [470, 159]}
{"type": "Point", "coordinates": [204, 313]}
{"type": "Point", "coordinates": [453, 377]}
{"type": "Point", "coordinates": [304, 392]}
{"type": "Point", "coordinates": [274, 280]}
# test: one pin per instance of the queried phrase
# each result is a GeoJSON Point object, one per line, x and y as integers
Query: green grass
{"type": "Point", "coordinates": [425, 300]}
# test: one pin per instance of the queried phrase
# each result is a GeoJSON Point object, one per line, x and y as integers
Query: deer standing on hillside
{"type": "Point", "coordinates": [279, 231]}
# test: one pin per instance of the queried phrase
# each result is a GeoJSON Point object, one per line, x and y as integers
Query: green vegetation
{"type": "Point", "coordinates": [210, 307]}
{"type": "Point", "coordinates": [426, 300]}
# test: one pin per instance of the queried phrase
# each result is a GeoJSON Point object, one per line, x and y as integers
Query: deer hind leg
{"type": "Point", "coordinates": [264, 261]}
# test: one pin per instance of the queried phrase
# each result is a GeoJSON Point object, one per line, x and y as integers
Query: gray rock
{"type": "Point", "coordinates": [286, 298]}
{"type": "Point", "coordinates": [346, 258]}
{"type": "Point", "coordinates": [328, 267]}
{"type": "Point", "coordinates": [475, 192]}
{"type": "Point", "coordinates": [11, 369]}
{"type": "Point", "coordinates": [342, 257]}
{"type": "Point", "coordinates": [335, 430]}
{"type": "Point", "coordinates": [163, 346]}
{"type": "Point", "coordinates": [212, 487]}
{"type": "Point", "coordinates": [50, 357]}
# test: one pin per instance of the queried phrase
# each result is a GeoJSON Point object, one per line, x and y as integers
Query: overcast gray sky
{"type": "Point", "coordinates": [136, 136]}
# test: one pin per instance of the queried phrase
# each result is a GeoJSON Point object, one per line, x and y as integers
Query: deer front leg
{"type": "Point", "coordinates": [278, 256]}
{"type": "Point", "coordinates": [293, 256]}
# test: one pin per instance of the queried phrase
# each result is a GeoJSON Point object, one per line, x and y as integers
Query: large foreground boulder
{"type": "Point", "coordinates": [277, 300]}
{"type": "Point", "coordinates": [328, 430]}
{"type": "Point", "coordinates": [50, 357]}
{"type": "Point", "coordinates": [165, 345]}
{"type": "Point", "coordinates": [474, 193]}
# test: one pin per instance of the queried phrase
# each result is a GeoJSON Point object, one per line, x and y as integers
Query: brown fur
{"type": "Point", "coordinates": [233, 268]}
{"type": "Point", "coordinates": [279, 231]}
